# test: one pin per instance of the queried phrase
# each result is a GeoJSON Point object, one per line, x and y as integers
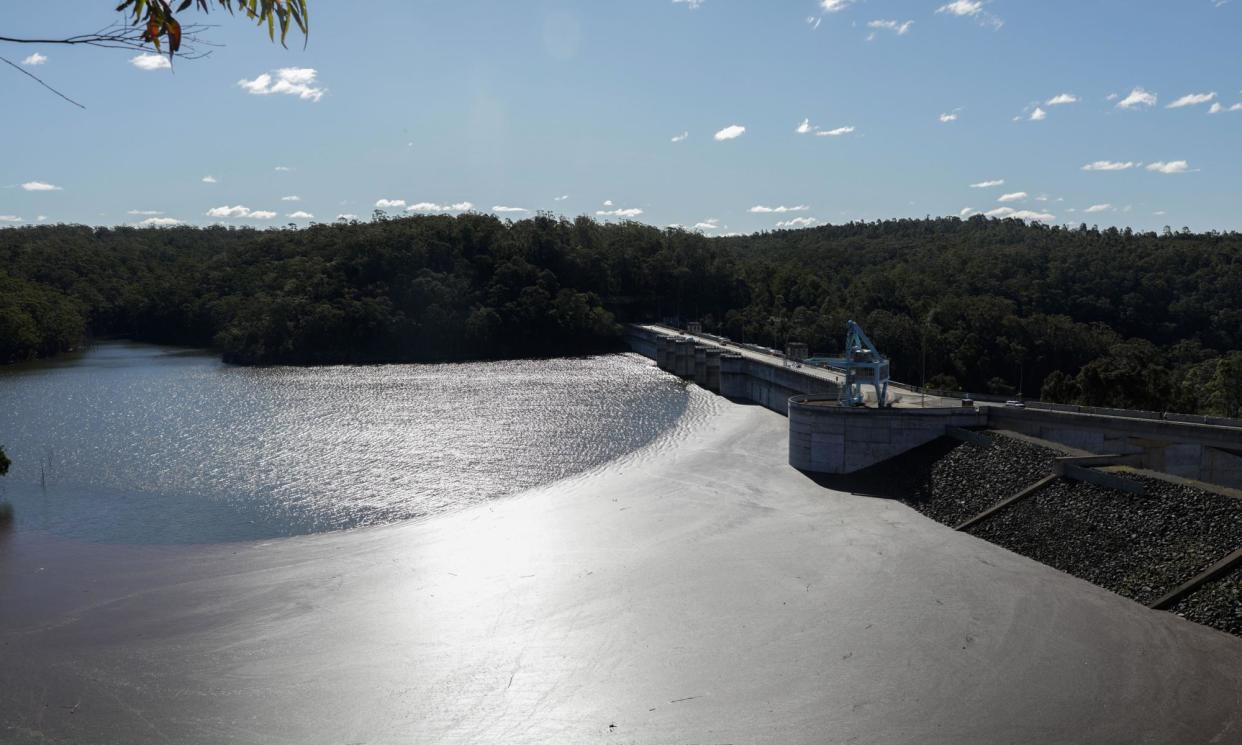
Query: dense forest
{"type": "Point", "coordinates": [1102, 317]}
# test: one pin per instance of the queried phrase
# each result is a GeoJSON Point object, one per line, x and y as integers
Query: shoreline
{"type": "Point", "coordinates": [707, 593]}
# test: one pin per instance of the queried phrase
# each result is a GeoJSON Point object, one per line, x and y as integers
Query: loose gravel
{"type": "Point", "coordinates": [970, 479]}
{"type": "Point", "coordinates": [1217, 604]}
{"type": "Point", "coordinates": [1139, 546]}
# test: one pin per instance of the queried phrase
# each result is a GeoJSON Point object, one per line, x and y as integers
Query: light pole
{"type": "Point", "coordinates": [926, 322]}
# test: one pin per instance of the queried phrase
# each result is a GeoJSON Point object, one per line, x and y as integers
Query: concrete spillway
{"type": "Point", "coordinates": [706, 592]}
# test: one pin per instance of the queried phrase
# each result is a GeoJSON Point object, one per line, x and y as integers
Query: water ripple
{"type": "Point", "coordinates": [133, 443]}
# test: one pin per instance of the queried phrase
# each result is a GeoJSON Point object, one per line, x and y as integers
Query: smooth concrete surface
{"type": "Point", "coordinates": [827, 438]}
{"type": "Point", "coordinates": [699, 591]}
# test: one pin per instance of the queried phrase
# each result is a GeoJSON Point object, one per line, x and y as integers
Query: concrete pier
{"type": "Point", "coordinates": [742, 373]}
{"type": "Point", "coordinates": [827, 438]}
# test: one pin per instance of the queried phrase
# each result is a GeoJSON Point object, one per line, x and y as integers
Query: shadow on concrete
{"type": "Point", "coordinates": [906, 477]}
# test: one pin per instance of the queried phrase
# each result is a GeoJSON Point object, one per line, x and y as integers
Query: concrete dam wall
{"type": "Point", "coordinates": [730, 372]}
{"type": "Point", "coordinates": [825, 438]}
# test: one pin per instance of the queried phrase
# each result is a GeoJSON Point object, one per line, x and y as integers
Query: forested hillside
{"type": "Point", "coordinates": [1100, 317]}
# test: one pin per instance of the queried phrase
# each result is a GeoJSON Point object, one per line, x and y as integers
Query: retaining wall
{"type": "Point", "coordinates": [1204, 452]}
{"type": "Point", "coordinates": [826, 438]}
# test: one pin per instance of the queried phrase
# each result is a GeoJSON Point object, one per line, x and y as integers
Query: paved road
{"type": "Point", "coordinates": [897, 396]}
{"type": "Point", "coordinates": [701, 592]}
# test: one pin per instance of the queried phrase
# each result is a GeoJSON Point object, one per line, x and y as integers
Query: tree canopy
{"type": "Point", "coordinates": [156, 23]}
{"type": "Point", "coordinates": [1081, 315]}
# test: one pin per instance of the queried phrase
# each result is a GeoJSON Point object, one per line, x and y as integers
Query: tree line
{"type": "Point", "coordinates": [1080, 315]}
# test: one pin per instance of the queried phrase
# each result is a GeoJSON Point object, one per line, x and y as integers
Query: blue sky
{"type": "Point", "coordinates": [579, 107]}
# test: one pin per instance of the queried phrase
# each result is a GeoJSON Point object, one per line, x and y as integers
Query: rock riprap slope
{"type": "Point", "coordinates": [970, 478]}
{"type": "Point", "coordinates": [1139, 546]}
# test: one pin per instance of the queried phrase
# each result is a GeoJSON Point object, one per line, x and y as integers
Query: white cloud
{"type": "Point", "coordinates": [733, 131]}
{"type": "Point", "coordinates": [761, 209]}
{"type": "Point", "coordinates": [814, 21]}
{"type": "Point", "coordinates": [797, 222]}
{"type": "Point", "coordinates": [385, 204]}
{"type": "Point", "coordinates": [291, 198]}
{"type": "Point", "coordinates": [1098, 208]}
{"type": "Point", "coordinates": [1217, 108]}
{"type": "Point", "coordinates": [10, 218]}
{"type": "Point", "coordinates": [144, 212]}
{"type": "Point", "coordinates": [1138, 97]}
{"type": "Point", "coordinates": [347, 216]}
{"type": "Point", "coordinates": [226, 211]}
{"type": "Point", "coordinates": [40, 186]}
{"type": "Point", "coordinates": [292, 81]}
{"type": "Point", "coordinates": [946, 118]}
{"type": "Point", "coordinates": [1173, 166]}
{"type": "Point", "coordinates": [150, 62]}
{"type": "Point", "coordinates": [962, 7]}
{"type": "Point", "coordinates": [619, 212]}
{"type": "Point", "coordinates": [835, 6]}
{"type": "Point", "coordinates": [607, 202]}
{"type": "Point", "coordinates": [282, 169]}
{"type": "Point", "coordinates": [41, 218]}
{"type": "Point", "coordinates": [1191, 99]}
{"type": "Point", "coordinates": [209, 179]}
{"type": "Point", "coordinates": [988, 184]}
{"type": "Point", "coordinates": [971, 9]}
{"type": "Point", "coordinates": [710, 223]}
{"type": "Point", "coordinates": [240, 211]}
{"type": "Point", "coordinates": [1062, 99]}
{"type": "Point", "coordinates": [805, 127]}
{"type": "Point", "coordinates": [502, 208]}
{"type": "Point", "coordinates": [898, 28]}
{"type": "Point", "coordinates": [34, 59]}
{"type": "Point", "coordinates": [433, 207]}
{"type": "Point", "coordinates": [691, 4]}
{"type": "Point", "coordinates": [966, 212]}
{"type": "Point", "coordinates": [159, 222]}
{"type": "Point", "coordinates": [300, 215]}
{"type": "Point", "coordinates": [835, 132]}
{"type": "Point", "coordinates": [1038, 115]}
{"type": "Point", "coordinates": [561, 198]}
{"type": "Point", "coordinates": [681, 137]}
{"type": "Point", "coordinates": [1004, 212]}
{"type": "Point", "coordinates": [1016, 196]}
{"type": "Point", "coordinates": [1110, 165]}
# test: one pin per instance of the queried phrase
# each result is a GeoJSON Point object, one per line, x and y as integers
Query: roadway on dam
{"type": "Point", "coordinates": [702, 592]}
{"type": "Point", "coordinates": [899, 395]}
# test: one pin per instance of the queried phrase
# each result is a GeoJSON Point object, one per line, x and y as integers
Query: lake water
{"type": "Point", "coordinates": [134, 443]}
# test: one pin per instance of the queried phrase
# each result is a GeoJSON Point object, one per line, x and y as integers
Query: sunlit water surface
{"type": "Point", "coordinates": [133, 443]}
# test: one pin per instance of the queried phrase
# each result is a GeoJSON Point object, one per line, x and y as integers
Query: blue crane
{"type": "Point", "coordinates": [863, 365]}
